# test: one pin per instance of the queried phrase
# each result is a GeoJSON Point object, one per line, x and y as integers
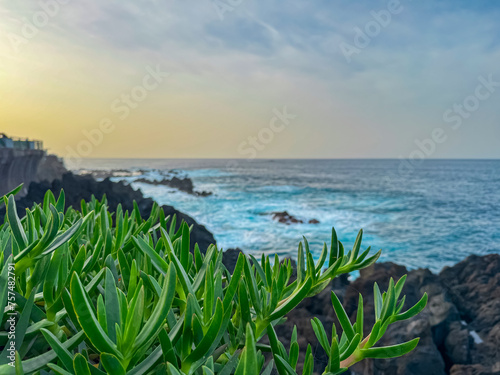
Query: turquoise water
{"type": "Point", "coordinates": [432, 216]}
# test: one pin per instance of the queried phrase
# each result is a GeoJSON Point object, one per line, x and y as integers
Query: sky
{"type": "Point", "coordinates": [247, 79]}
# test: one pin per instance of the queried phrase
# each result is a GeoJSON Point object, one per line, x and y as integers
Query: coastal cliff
{"type": "Point", "coordinates": [26, 166]}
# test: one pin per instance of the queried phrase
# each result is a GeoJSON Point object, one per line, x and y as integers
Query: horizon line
{"type": "Point", "coordinates": [278, 158]}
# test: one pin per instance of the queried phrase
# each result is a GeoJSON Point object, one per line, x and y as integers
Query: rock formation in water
{"type": "Point", "coordinates": [285, 218]}
{"type": "Point", "coordinates": [182, 184]}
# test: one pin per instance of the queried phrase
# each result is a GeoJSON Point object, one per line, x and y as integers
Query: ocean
{"type": "Point", "coordinates": [430, 216]}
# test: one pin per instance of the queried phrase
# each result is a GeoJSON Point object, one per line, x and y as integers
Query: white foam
{"type": "Point", "coordinates": [476, 337]}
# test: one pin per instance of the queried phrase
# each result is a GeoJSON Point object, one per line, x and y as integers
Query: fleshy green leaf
{"type": "Point", "coordinates": [15, 223]}
{"type": "Point", "coordinates": [248, 363]}
{"type": "Point", "coordinates": [342, 316]}
{"type": "Point", "coordinates": [111, 364]}
{"type": "Point", "coordinates": [80, 365]}
{"type": "Point", "coordinates": [88, 320]}
{"type": "Point", "coordinates": [390, 351]}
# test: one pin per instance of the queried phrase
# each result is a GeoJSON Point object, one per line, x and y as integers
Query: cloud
{"type": "Point", "coordinates": [428, 56]}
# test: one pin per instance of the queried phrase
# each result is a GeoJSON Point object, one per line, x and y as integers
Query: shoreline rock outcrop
{"type": "Point", "coordinates": [459, 329]}
{"type": "Point", "coordinates": [77, 188]}
{"type": "Point", "coordinates": [182, 184]}
{"type": "Point", "coordinates": [474, 288]}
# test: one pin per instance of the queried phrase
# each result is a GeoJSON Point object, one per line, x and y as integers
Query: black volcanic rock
{"type": "Point", "coordinates": [285, 218]}
{"type": "Point", "coordinates": [474, 287]}
{"type": "Point", "coordinates": [182, 184]}
{"type": "Point", "coordinates": [426, 358]}
{"type": "Point", "coordinates": [77, 188]}
{"type": "Point", "coordinates": [472, 370]}
{"type": "Point", "coordinates": [230, 257]}
{"type": "Point", "coordinates": [463, 300]}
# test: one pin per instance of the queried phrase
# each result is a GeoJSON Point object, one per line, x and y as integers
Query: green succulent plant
{"type": "Point", "coordinates": [90, 292]}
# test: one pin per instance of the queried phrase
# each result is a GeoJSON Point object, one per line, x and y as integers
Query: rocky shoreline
{"type": "Point", "coordinates": [459, 329]}
{"type": "Point", "coordinates": [184, 184]}
{"type": "Point", "coordinates": [77, 187]}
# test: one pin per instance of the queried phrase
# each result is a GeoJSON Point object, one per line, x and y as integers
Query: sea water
{"type": "Point", "coordinates": [429, 216]}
